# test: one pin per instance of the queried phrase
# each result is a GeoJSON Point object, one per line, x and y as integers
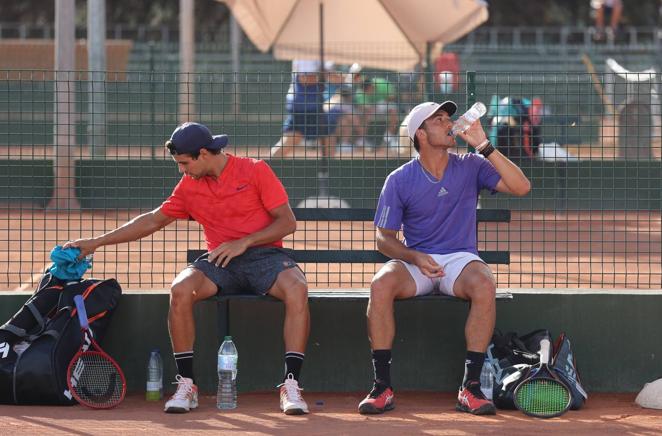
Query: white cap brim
{"type": "Point", "coordinates": [424, 111]}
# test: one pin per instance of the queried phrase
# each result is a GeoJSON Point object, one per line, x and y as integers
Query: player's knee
{"type": "Point", "coordinates": [297, 296]}
{"type": "Point", "coordinates": [483, 289]}
{"type": "Point", "coordinates": [382, 290]}
{"type": "Point", "coordinates": [181, 293]}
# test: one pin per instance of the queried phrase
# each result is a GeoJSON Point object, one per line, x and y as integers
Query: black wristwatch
{"type": "Point", "coordinates": [487, 150]}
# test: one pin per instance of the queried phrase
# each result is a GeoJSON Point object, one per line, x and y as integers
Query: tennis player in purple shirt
{"type": "Point", "coordinates": [432, 199]}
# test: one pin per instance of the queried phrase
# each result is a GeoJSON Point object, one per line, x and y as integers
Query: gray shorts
{"type": "Point", "coordinates": [254, 272]}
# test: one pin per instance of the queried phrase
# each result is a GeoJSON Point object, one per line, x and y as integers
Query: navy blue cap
{"type": "Point", "coordinates": [191, 137]}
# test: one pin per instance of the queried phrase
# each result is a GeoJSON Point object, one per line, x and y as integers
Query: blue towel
{"type": "Point", "coordinates": [66, 265]}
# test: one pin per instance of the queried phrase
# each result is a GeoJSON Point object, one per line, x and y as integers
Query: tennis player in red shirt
{"type": "Point", "coordinates": [244, 211]}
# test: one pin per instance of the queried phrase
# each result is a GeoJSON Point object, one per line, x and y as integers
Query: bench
{"type": "Point", "coordinates": [353, 256]}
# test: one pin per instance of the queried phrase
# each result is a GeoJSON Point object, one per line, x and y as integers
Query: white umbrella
{"type": "Point", "coordinates": [386, 34]}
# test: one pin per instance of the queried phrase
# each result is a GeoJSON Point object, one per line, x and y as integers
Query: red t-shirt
{"type": "Point", "coordinates": [231, 206]}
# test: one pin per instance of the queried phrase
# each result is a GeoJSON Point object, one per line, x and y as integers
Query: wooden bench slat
{"type": "Point", "coordinates": [493, 215]}
{"type": "Point", "coordinates": [357, 256]}
{"type": "Point", "coordinates": [333, 214]}
{"type": "Point", "coordinates": [358, 214]}
{"type": "Point", "coordinates": [338, 256]}
{"type": "Point", "coordinates": [371, 256]}
{"type": "Point", "coordinates": [352, 295]}
{"type": "Point", "coordinates": [495, 257]}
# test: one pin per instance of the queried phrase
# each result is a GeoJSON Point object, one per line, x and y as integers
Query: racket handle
{"type": "Point", "coordinates": [545, 350]}
{"type": "Point", "coordinates": [82, 313]}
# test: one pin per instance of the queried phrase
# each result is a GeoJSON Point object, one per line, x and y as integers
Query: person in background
{"type": "Point", "coordinates": [379, 109]}
{"type": "Point", "coordinates": [350, 130]}
{"type": "Point", "coordinates": [305, 110]}
{"type": "Point", "coordinates": [411, 90]}
{"type": "Point", "coordinates": [338, 108]}
{"type": "Point", "coordinates": [606, 10]}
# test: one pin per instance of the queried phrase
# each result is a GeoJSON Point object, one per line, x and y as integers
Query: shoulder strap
{"type": "Point", "coordinates": [49, 328]}
{"type": "Point", "coordinates": [518, 344]}
{"type": "Point", "coordinates": [21, 333]}
{"type": "Point", "coordinates": [54, 333]}
{"type": "Point", "coordinates": [37, 316]}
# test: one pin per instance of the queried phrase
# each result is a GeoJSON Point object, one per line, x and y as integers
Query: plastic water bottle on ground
{"type": "Point", "coordinates": [226, 396]}
{"type": "Point", "coordinates": [154, 391]}
{"type": "Point", "coordinates": [487, 380]}
{"type": "Point", "coordinates": [468, 118]}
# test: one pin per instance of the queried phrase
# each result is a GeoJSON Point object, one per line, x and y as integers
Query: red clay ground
{"type": "Point", "coordinates": [615, 249]}
{"type": "Point", "coordinates": [257, 414]}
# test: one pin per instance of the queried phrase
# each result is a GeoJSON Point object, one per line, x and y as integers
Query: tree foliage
{"type": "Point", "coordinates": [208, 13]}
{"type": "Point", "coordinates": [211, 14]}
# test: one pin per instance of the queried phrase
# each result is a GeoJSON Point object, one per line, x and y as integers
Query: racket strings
{"type": "Point", "coordinates": [99, 382]}
{"type": "Point", "coordinates": [543, 397]}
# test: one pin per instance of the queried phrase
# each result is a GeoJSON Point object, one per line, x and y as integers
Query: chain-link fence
{"type": "Point", "coordinates": [82, 153]}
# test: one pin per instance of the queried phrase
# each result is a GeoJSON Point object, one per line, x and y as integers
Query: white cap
{"type": "Point", "coordinates": [305, 66]}
{"type": "Point", "coordinates": [424, 111]}
{"type": "Point", "coordinates": [355, 68]}
{"type": "Point", "coordinates": [329, 66]}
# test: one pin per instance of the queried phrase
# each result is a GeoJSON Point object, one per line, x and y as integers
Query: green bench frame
{"type": "Point", "coordinates": [353, 256]}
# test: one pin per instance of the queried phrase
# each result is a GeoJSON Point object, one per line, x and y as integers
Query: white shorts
{"type": "Point", "coordinates": [453, 265]}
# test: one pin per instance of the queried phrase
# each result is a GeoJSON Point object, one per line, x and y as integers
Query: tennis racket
{"type": "Point", "coordinates": [542, 393]}
{"type": "Point", "coordinates": [94, 379]}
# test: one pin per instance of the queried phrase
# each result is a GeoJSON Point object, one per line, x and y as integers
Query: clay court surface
{"type": "Point", "coordinates": [599, 249]}
{"type": "Point", "coordinates": [331, 414]}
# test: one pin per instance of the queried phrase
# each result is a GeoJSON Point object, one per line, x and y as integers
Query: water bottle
{"type": "Point", "coordinates": [487, 380]}
{"type": "Point", "coordinates": [467, 119]}
{"type": "Point", "coordinates": [226, 396]}
{"type": "Point", "coordinates": [154, 390]}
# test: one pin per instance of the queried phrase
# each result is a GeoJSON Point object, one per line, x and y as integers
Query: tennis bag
{"type": "Point", "coordinates": [516, 126]}
{"type": "Point", "coordinates": [39, 341]}
{"type": "Point", "coordinates": [565, 366]}
{"type": "Point", "coordinates": [512, 358]}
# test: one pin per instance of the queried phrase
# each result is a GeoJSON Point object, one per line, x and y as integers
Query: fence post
{"type": "Point", "coordinates": [429, 72]}
{"type": "Point", "coordinates": [235, 46]}
{"type": "Point", "coordinates": [152, 95]}
{"type": "Point", "coordinates": [471, 95]}
{"type": "Point", "coordinates": [186, 61]}
{"type": "Point", "coordinates": [96, 66]}
{"type": "Point", "coordinates": [64, 138]}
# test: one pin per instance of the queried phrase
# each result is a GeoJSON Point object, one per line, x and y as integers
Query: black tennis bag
{"type": "Point", "coordinates": [512, 357]}
{"type": "Point", "coordinates": [39, 341]}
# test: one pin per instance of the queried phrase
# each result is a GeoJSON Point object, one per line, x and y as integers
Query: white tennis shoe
{"type": "Point", "coordinates": [291, 401]}
{"type": "Point", "coordinates": [185, 397]}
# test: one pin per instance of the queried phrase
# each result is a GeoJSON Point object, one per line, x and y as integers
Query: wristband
{"type": "Point", "coordinates": [482, 145]}
{"type": "Point", "coordinates": [487, 150]}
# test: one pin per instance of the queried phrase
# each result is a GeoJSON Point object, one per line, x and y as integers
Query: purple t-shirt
{"type": "Point", "coordinates": [436, 216]}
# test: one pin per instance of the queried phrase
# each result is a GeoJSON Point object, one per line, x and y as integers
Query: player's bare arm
{"type": "Point", "coordinates": [513, 181]}
{"type": "Point", "coordinates": [139, 227]}
{"type": "Point", "coordinates": [283, 224]}
{"type": "Point", "coordinates": [389, 245]}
